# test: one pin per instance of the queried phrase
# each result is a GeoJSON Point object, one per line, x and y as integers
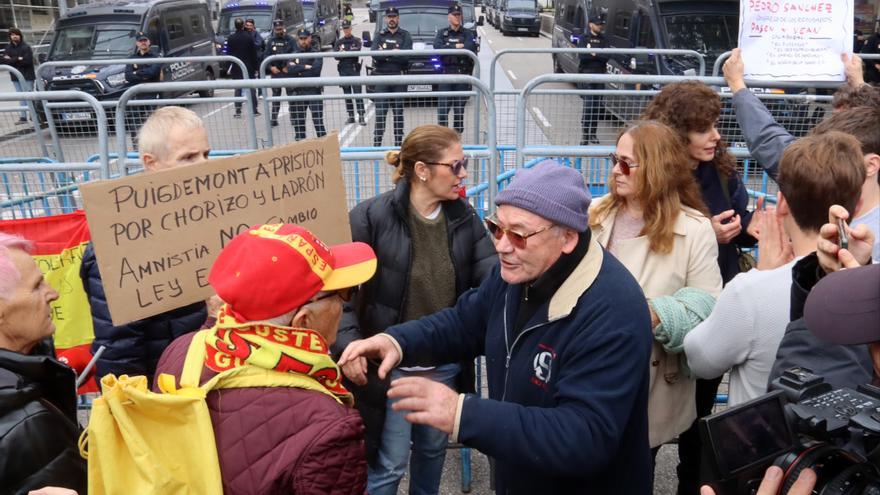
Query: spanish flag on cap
{"type": "Point", "coordinates": [275, 268]}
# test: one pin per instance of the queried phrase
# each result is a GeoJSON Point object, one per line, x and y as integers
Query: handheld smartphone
{"type": "Point", "coordinates": [842, 239]}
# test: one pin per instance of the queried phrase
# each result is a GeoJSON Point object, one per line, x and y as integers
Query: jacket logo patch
{"type": "Point", "coordinates": [543, 365]}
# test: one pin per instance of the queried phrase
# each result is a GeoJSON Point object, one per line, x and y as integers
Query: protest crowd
{"type": "Point", "coordinates": [605, 324]}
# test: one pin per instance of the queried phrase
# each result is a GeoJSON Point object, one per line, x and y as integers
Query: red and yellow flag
{"type": "Point", "coordinates": [59, 243]}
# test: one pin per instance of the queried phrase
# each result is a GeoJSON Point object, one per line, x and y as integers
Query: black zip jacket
{"type": "Point", "coordinates": [38, 428]}
{"type": "Point", "coordinates": [22, 58]}
{"type": "Point", "coordinates": [381, 222]}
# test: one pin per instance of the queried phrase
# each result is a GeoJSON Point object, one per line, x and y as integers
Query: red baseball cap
{"type": "Point", "coordinates": [275, 268]}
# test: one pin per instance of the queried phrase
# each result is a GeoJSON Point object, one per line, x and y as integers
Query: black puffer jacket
{"type": "Point", "coordinates": [382, 223]}
{"type": "Point", "coordinates": [133, 348]}
{"type": "Point", "coordinates": [38, 428]}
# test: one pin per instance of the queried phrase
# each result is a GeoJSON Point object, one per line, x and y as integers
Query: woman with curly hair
{"type": "Point", "coordinates": [654, 222]}
{"type": "Point", "coordinates": [431, 247]}
{"type": "Point", "coordinates": [692, 109]}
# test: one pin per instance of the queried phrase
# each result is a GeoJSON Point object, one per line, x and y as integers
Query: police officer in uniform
{"type": "Point", "coordinates": [592, 63]}
{"type": "Point", "coordinates": [350, 66]}
{"type": "Point", "coordinates": [306, 67]}
{"type": "Point", "coordinates": [390, 38]}
{"type": "Point", "coordinates": [279, 43]}
{"type": "Point", "coordinates": [455, 36]}
{"type": "Point", "coordinates": [137, 74]}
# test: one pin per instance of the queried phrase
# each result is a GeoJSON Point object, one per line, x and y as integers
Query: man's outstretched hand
{"type": "Point", "coordinates": [354, 358]}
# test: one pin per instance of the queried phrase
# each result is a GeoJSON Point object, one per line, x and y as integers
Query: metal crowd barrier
{"type": "Point", "coordinates": [434, 58]}
{"type": "Point", "coordinates": [719, 63]}
{"type": "Point", "coordinates": [480, 90]}
{"type": "Point", "coordinates": [39, 186]}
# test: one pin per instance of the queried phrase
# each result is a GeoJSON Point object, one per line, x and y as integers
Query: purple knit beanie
{"type": "Point", "coordinates": [552, 191]}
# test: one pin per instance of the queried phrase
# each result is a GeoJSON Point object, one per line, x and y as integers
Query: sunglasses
{"type": "Point", "coordinates": [517, 239]}
{"type": "Point", "coordinates": [625, 166]}
{"type": "Point", "coordinates": [456, 166]}
{"type": "Point", "coordinates": [345, 294]}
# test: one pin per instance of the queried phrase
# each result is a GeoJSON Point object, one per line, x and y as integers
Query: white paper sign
{"type": "Point", "coordinates": [795, 40]}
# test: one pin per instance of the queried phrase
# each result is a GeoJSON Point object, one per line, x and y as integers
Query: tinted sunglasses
{"type": "Point", "coordinates": [517, 239]}
{"type": "Point", "coordinates": [456, 166]}
{"type": "Point", "coordinates": [345, 294]}
{"type": "Point", "coordinates": [625, 166]}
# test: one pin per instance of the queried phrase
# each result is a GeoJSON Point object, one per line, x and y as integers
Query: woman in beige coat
{"type": "Point", "coordinates": [654, 222]}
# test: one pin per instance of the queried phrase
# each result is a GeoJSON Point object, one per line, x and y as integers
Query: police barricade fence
{"type": "Point", "coordinates": [797, 113]}
{"type": "Point", "coordinates": [505, 99]}
{"type": "Point", "coordinates": [479, 92]}
{"type": "Point", "coordinates": [421, 105]}
{"type": "Point", "coordinates": [71, 126]}
{"type": "Point", "coordinates": [11, 127]}
{"type": "Point", "coordinates": [39, 186]}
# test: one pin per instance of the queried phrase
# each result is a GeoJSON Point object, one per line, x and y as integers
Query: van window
{"type": "Point", "coordinates": [622, 20]}
{"type": "Point", "coordinates": [569, 15]}
{"type": "Point", "coordinates": [197, 24]}
{"type": "Point", "coordinates": [579, 18]}
{"type": "Point", "coordinates": [176, 30]}
{"type": "Point", "coordinates": [646, 33]}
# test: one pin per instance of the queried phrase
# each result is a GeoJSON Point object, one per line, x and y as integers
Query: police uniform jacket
{"type": "Point", "coordinates": [399, 40]}
{"type": "Point", "coordinates": [446, 39]}
{"type": "Point", "coordinates": [142, 73]}
{"type": "Point", "coordinates": [278, 45]}
{"type": "Point", "coordinates": [348, 66]}
{"type": "Point", "coordinates": [589, 63]}
{"type": "Point", "coordinates": [297, 67]}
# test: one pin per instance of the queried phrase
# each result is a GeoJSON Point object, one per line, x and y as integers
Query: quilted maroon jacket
{"type": "Point", "coordinates": [280, 440]}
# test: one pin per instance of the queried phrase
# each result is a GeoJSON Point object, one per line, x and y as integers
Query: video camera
{"type": "Point", "coordinates": [802, 423]}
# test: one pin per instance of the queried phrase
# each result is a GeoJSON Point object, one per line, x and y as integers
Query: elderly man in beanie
{"type": "Point", "coordinates": [567, 337]}
{"type": "Point", "coordinates": [283, 291]}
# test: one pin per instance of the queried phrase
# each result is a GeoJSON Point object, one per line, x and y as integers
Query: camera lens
{"type": "Point", "coordinates": [837, 471]}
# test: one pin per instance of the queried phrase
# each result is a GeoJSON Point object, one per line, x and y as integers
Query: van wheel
{"type": "Point", "coordinates": [557, 67]}
{"type": "Point", "coordinates": [208, 93]}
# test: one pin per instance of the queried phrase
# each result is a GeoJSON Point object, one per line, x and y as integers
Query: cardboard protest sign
{"type": "Point", "coordinates": [795, 40]}
{"type": "Point", "coordinates": [156, 235]}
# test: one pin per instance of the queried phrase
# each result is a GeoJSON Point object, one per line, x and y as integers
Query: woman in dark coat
{"type": "Point", "coordinates": [431, 247]}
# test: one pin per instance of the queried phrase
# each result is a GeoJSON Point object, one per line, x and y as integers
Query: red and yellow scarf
{"type": "Point", "coordinates": [231, 344]}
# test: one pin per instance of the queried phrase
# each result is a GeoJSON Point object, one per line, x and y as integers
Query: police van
{"type": "Point", "coordinates": [263, 12]}
{"type": "Point", "coordinates": [519, 17]}
{"type": "Point", "coordinates": [322, 19]}
{"type": "Point", "coordinates": [107, 30]}
{"type": "Point", "coordinates": [709, 28]}
{"type": "Point", "coordinates": [423, 19]}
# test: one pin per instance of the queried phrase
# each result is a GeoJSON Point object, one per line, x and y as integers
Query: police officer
{"type": "Point", "coordinates": [350, 66]}
{"type": "Point", "coordinates": [306, 67]}
{"type": "Point", "coordinates": [240, 44]}
{"type": "Point", "coordinates": [280, 43]}
{"type": "Point", "coordinates": [390, 38]}
{"type": "Point", "coordinates": [592, 63]}
{"type": "Point", "coordinates": [455, 36]}
{"type": "Point", "coordinates": [137, 74]}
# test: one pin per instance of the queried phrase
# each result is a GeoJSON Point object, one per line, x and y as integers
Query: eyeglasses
{"type": "Point", "coordinates": [517, 239]}
{"type": "Point", "coordinates": [625, 166]}
{"type": "Point", "coordinates": [345, 294]}
{"type": "Point", "coordinates": [456, 166]}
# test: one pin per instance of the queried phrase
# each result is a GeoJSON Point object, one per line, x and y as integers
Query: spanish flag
{"type": "Point", "coordinates": [59, 244]}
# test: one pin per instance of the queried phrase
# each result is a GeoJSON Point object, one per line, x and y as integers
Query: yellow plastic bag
{"type": "Point", "coordinates": [140, 442]}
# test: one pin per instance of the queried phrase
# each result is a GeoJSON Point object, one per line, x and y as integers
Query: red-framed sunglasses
{"type": "Point", "coordinates": [517, 239]}
{"type": "Point", "coordinates": [456, 166]}
{"type": "Point", "coordinates": [625, 166]}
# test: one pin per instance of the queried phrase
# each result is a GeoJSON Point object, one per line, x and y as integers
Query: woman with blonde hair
{"type": "Point", "coordinates": [654, 221]}
{"type": "Point", "coordinates": [431, 247]}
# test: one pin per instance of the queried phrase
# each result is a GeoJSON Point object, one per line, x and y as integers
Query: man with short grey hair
{"type": "Point", "coordinates": [171, 137]}
{"type": "Point", "coordinates": [567, 337]}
